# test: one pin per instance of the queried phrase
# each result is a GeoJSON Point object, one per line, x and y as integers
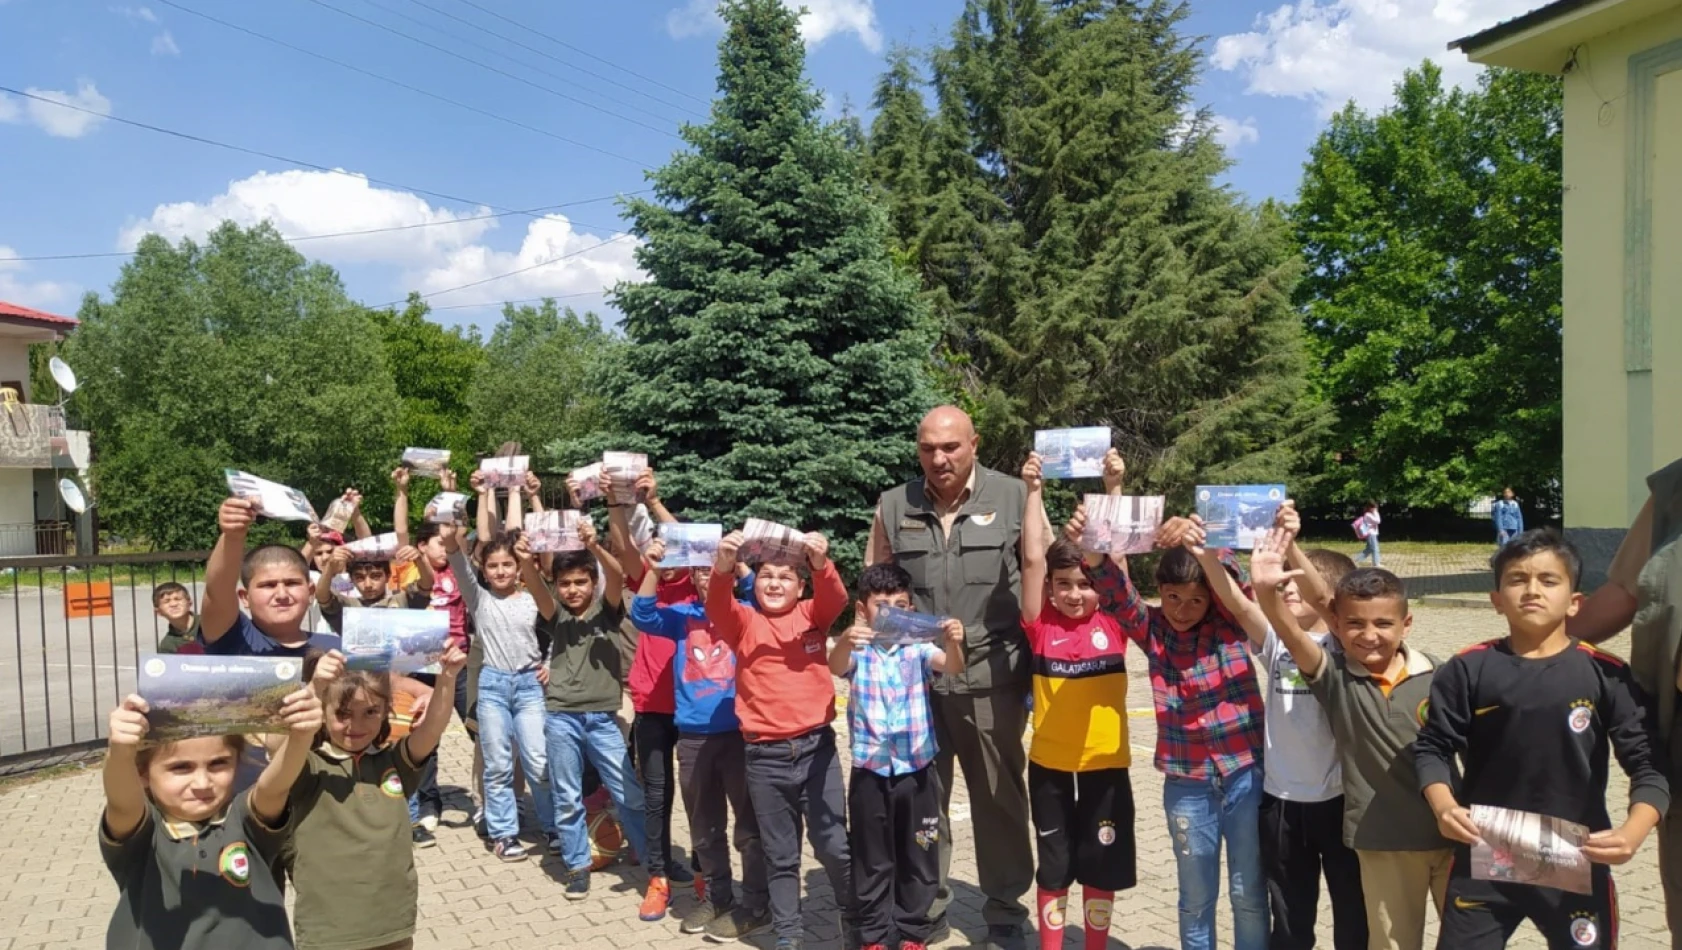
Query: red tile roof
{"type": "Point", "coordinates": [16, 312]}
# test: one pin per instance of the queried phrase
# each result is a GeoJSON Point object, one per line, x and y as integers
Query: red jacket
{"type": "Point", "coordinates": [783, 684]}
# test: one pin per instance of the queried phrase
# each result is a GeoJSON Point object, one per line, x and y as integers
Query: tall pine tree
{"type": "Point", "coordinates": [1084, 264]}
{"type": "Point", "coordinates": [777, 365]}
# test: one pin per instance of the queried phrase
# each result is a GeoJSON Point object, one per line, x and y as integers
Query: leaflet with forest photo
{"type": "Point", "coordinates": [550, 532]}
{"type": "Point", "coordinates": [770, 542]}
{"type": "Point", "coordinates": [896, 627]}
{"type": "Point", "coordinates": [587, 482]}
{"type": "Point", "coordinates": [198, 695]}
{"type": "Point", "coordinates": [427, 463]}
{"type": "Point", "coordinates": [394, 639]}
{"type": "Point", "coordinates": [377, 547]}
{"type": "Point", "coordinates": [505, 471]}
{"type": "Point", "coordinates": [1522, 847]}
{"type": "Point", "coordinates": [273, 499]}
{"type": "Point", "coordinates": [626, 468]}
{"type": "Point", "coordinates": [1237, 516]}
{"type": "Point", "coordinates": [1072, 453]}
{"type": "Point", "coordinates": [690, 545]}
{"type": "Point", "coordinates": [447, 507]}
{"type": "Point", "coordinates": [1121, 524]}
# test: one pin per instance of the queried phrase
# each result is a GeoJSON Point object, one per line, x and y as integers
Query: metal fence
{"type": "Point", "coordinates": [78, 623]}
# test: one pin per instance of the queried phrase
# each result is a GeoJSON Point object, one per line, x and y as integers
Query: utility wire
{"type": "Point", "coordinates": [584, 52]}
{"type": "Point", "coordinates": [513, 273]}
{"type": "Point", "coordinates": [551, 56]}
{"type": "Point", "coordinates": [487, 66]}
{"type": "Point", "coordinates": [399, 83]}
{"type": "Point", "coordinates": [524, 300]}
{"type": "Point", "coordinates": [532, 212]}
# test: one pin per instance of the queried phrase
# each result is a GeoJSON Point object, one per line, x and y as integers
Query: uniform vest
{"type": "Point", "coordinates": [1656, 632]}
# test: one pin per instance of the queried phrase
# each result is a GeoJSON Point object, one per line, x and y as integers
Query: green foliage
{"type": "Point", "coordinates": [1083, 264]}
{"type": "Point", "coordinates": [434, 369]}
{"type": "Point", "coordinates": [238, 353]}
{"type": "Point", "coordinates": [777, 357]}
{"type": "Point", "coordinates": [1432, 236]}
{"type": "Point", "coordinates": [534, 382]}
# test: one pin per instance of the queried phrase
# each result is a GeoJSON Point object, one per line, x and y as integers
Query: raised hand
{"type": "Point", "coordinates": [302, 713]}
{"type": "Point", "coordinates": [654, 553]}
{"type": "Point", "coordinates": [1288, 518]}
{"type": "Point", "coordinates": [533, 483]}
{"type": "Point", "coordinates": [953, 628]}
{"type": "Point", "coordinates": [817, 550]}
{"type": "Point", "coordinates": [587, 532]}
{"type": "Point", "coordinates": [522, 550]}
{"type": "Point", "coordinates": [327, 670]}
{"type": "Point", "coordinates": [1077, 524]}
{"type": "Point", "coordinates": [236, 516]}
{"type": "Point", "coordinates": [648, 487]}
{"type": "Point", "coordinates": [128, 725]}
{"type": "Point", "coordinates": [407, 554]}
{"type": "Point", "coordinates": [1031, 473]}
{"type": "Point", "coordinates": [1267, 561]}
{"type": "Point", "coordinates": [477, 482]}
{"type": "Point", "coordinates": [400, 478]}
{"type": "Point", "coordinates": [1114, 470]}
{"type": "Point", "coordinates": [453, 661]}
{"type": "Point", "coordinates": [729, 548]}
{"type": "Point", "coordinates": [860, 636]}
{"type": "Point", "coordinates": [447, 479]}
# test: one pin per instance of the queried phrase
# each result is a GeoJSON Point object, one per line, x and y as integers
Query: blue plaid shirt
{"type": "Point", "coordinates": [888, 715]}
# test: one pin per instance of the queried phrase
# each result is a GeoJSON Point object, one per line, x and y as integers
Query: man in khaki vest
{"type": "Point", "coordinates": [957, 531]}
{"type": "Point", "coordinates": [1643, 591]}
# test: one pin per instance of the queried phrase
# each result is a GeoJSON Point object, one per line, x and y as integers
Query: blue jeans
{"type": "Point", "coordinates": [510, 716]}
{"type": "Point", "coordinates": [572, 738]}
{"type": "Point", "coordinates": [1200, 814]}
{"type": "Point", "coordinates": [1371, 552]}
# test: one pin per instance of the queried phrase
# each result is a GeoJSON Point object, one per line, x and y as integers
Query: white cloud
{"type": "Point", "coordinates": [591, 264]}
{"type": "Point", "coordinates": [15, 287]}
{"type": "Point", "coordinates": [164, 45]}
{"type": "Point", "coordinates": [55, 120]}
{"type": "Point", "coordinates": [1232, 133]}
{"type": "Point", "coordinates": [1331, 51]}
{"type": "Point", "coordinates": [823, 19]}
{"type": "Point", "coordinates": [143, 14]}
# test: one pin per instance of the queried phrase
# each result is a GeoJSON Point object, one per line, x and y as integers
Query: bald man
{"type": "Point", "coordinates": [956, 531]}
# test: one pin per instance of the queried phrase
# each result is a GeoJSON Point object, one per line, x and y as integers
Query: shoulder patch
{"type": "Point", "coordinates": [1476, 647]}
{"type": "Point", "coordinates": [1600, 655]}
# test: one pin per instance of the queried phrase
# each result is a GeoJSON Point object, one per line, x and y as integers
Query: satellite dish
{"type": "Point", "coordinates": [72, 495]}
{"type": "Point", "coordinates": [63, 375]}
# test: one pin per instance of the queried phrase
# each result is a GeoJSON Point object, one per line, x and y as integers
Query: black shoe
{"type": "Point", "coordinates": [1004, 937]}
{"type": "Point", "coordinates": [739, 924]}
{"type": "Point", "coordinates": [510, 850]}
{"type": "Point", "coordinates": [699, 919]}
{"type": "Point", "coordinates": [553, 846]}
{"type": "Point", "coordinates": [939, 931]}
{"type": "Point", "coordinates": [578, 884]}
{"type": "Point", "coordinates": [679, 873]}
{"type": "Point", "coordinates": [422, 838]}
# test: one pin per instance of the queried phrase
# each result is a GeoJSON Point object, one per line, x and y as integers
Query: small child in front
{"type": "Point", "coordinates": [1532, 716]}
{"type": "Point", "coordinates": [785, 699]}
{"type": "Point", "coordinates": [1079, 789]}
{"type": "Point", "coordinates": [893, 798]}
{"type": "Point", "coordinates": [192, 859]}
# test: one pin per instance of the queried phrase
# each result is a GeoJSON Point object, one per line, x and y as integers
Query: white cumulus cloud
{"type": "Point", "coordinates": [823, 19]}
{"type": "Point", "coordinates": [55, 119]}
{"type": "Point", "coordinates": [1232, 133]}
{"type": "Point", "coordinates": [562, 261]}
{"type": "Point", "coordinates": [1331, 51]}
{"type": "Point", "coordinates": [164, 45]}
{"type": "Point", "coordinates": [16, 287]}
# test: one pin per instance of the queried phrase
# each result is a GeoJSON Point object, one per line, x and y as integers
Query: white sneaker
{"type": "Point", "coordinates": [430, 823]}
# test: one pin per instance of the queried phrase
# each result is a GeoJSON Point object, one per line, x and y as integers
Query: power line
{"type": "Point", "coordinates": [476, 306]}
{"type": "Point", "coordinates": [495, 69]}
{"type": "Point", "coordinates": [400, 84]}
{"type": "Point", "coordinates": [583, 52]}
{"type": "Point", "coordinates": [513, 273]}
{"type": "Point", "coordinates": [551, 56]}
{"type": "Point", "coordinates": [531, 212]}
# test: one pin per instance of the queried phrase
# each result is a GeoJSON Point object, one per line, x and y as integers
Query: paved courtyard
{"type": "Point", "coordinates": [55, 893]}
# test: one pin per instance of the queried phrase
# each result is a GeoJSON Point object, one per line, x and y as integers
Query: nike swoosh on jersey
{"type": "Point", "coordinates": [1464, 904]}
{"type": "Point", "coordinates": [1479, 712]}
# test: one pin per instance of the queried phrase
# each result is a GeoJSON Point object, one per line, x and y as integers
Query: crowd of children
{"type": "Point", "coordinates": [1363, 763]}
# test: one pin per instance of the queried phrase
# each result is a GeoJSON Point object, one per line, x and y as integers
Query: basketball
{"type": "Point", "coordinates": [606, 839]}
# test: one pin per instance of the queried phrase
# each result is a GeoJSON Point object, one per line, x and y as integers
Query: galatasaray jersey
{"type": "Point", "coordinates": [1080, 692]}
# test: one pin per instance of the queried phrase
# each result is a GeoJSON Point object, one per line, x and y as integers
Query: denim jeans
{"type": "Point", "coordinates": [510, 717]}
{"type": "Point", "coordinates": [1371, 551]}
{"type": "Point", "coordinates": [573, 739]}
{"type": "Point", "coordinates": [1201, 814]}
{"type": "Point", "coordinates": [794, 782]}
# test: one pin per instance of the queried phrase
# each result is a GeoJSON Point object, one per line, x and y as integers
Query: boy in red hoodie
{"type": "Point", "coordinates": [785, 699]}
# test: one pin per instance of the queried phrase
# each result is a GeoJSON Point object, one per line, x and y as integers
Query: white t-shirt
{"type": "Point", "coordinates": [1301, 762]}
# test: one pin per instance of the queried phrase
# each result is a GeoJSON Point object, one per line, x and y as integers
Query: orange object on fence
{"type": "Point", "coordinates": [87, 600]}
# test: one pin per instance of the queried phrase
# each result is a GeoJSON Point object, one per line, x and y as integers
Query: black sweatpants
{"type": "Point", "coordinates": [653, 738]}
{"type": "Point", "coordinates": [796, 783]}
{"type": "Point", "coordinates": [712, 772]}
{"type": "Point", "coordinates": [1084, 822]}
{"type": "Point", "coordinates": [893, 831]}
{"type": "Point", "coordinates": [1299, 842]}
{"type": "Point", "coordinates": [1482, 915]}
{"type": "Point", "coordinates": [427, 793]}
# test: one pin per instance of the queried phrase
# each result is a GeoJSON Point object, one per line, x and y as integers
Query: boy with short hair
{"type": "Point", "coordinates": [786, 702]}
{"type": "Point", "coordinates": [173, 602]}
{"type": "Point", "coordinates": [371, 579]}
{"type": "Point", "coordinates": [1375, 690]}
{"type": "Point", "coordinates": [710, 751]}
{"type": "Point", "coordinates": [581, 699]}
{"type": "Point", "coordinates": [1532, 716]}
{"type": "Point", "coordinates": [276, 592]}
{"type": "Point", "coordinates": [893, 797]}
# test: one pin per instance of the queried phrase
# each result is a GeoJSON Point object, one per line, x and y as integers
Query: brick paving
{"type": "Point", "coordinates": [55, 893]}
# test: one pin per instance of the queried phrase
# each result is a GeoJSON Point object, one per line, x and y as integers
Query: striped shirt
{"type": "Point", "coordinates": [888, 715]}
{"type": "Point", "coordinates": [1208, 703]}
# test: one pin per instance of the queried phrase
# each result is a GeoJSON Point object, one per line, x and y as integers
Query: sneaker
{"type": "Point", "coordinates": [1004, 937]}
{"type": "Point", "coordinates": [911, 945]}
{"type": "Point", "coordinates": [655, 901]}
{"type": "Point", "coordinates": [939, 931]}
{"type": "Point", "coordinates": [429, 821]}
{"type": "Point", "coordinates": [422, 837]}
{"type": "Point", "coordinates": [578, 884]}
{"type": "Point", "coordinates": [873, 946]}
{"type": "Point", "coordinates": [510, 850]}
{"type": "Point", "coordinates": [679, 873]}
{"type": "Point", "coordinates": [553, 846]}
{"type": "Point", "coordinates": [703, 915]}
{"type": "Point", "coordinates": [479, 825]}
{"type": "Point", "coordinates": [738, 923]}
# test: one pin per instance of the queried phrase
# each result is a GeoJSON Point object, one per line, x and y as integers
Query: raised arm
{"type": "Point", "coordinates": [358, 521]}
{"type": "Point", "coordinates": [648, 489]}
{"type": "Point", "coordinates": [727, 617]}
{"type": "Point", "coordinates": [645, 609]}
{"type": "Point", "coordinates": [1311, 586]}
{"type": "Point", "coordinates": [1191, 536]}
{"type": "Point", "coordinates": [125, 794]}
{"type": "Point", "coordinates": [302, 713]}
{"type": "Point", "coordinates": [514, 517]}
{"type": "Point", "coordinates": [423, 739]}
{"type": "Point", "coordinates": [1118, 596]}
{"type": "Point", "coordinates": [1267, 574]}
{"type": "Point", "coordinates": [1035, 541]}
{"type": "Point", "coordinates": [535, 584]}
{"type": "Point", "coordinates": [613, 576]}
{"type": "Point", "coordinates": [829, 592]}
{"type": "Point", "coordinates": [400, 506]}
{"type": "Point", "coordinates": [857, 637]}
{"type": "Point", "coordinates": [220, 607]}
{"type": "Point", "coordinates": [337, 563]}
{"type": "Point", "coordinates": [466, 581]}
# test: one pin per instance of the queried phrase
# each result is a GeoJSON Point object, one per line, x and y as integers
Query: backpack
{"type": "Point", "coordinates": [1362, 529]}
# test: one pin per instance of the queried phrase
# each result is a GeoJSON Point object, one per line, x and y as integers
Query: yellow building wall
{"type": "Point", "coordinates": [1623, 269]}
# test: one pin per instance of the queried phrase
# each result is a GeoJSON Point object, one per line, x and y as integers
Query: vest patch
{"type": "Point", "coordinates": [392, 784]}
{"type": "Point", "coordinates": [234, 864]}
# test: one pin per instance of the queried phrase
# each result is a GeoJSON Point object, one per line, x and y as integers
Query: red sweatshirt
{"type": "Point", "coordinates": [783, 685]}
{"type": "Point", "coordinates": [651, 668]}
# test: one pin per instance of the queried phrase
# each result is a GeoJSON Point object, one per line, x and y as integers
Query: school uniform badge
{"type": "Point", "coordinates": [1423, 711]}
{"type": "Point", "coordinates": [392, 784]}
{"type": "Point", "coordinates": [234, 864]}
{"type": "Point", "coordinates": [1584, 933]}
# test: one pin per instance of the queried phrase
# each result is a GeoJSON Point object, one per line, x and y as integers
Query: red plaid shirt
{"type": "Point", "coordinates": [1208, 704]}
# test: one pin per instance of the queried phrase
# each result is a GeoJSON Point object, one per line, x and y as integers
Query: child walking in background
{"type": "Point", "coordinates": [893, 798]}
{"type": "Point", "coordinates": [1366, 528]}
{"type": "Point", "coordinates": [351, 857]}
{"type": "Point", "coordinates": [192, 859]}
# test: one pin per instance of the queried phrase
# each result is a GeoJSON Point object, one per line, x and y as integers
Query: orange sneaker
{"type": "Point", "coordinates": [655, 901]}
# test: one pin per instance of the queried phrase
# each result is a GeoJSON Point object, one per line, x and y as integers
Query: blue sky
{"type": "Point", "coordinates": [546, 125]}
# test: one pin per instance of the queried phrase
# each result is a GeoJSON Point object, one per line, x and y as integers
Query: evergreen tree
{"type": "Point", "coordinates": [778, 359]}
{"type": "Point", "coordinates": [1085, 266]}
